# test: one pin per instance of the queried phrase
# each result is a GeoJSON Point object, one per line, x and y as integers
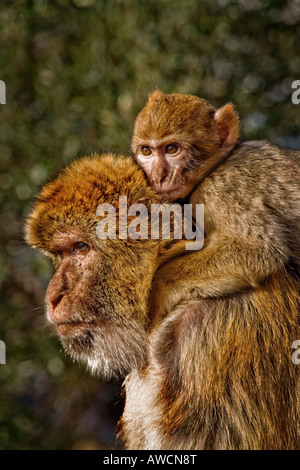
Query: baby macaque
{"type": "Point", "coordinates": [179, 139]}
{"type": "Point", "coordinates": [250, 191]}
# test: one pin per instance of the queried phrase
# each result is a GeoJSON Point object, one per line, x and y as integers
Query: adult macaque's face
{"type": "Point", "coordinates": [97, 298]}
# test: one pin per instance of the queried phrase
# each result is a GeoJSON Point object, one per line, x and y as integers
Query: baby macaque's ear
{"type": "Point", "coordinates": [227, 122]}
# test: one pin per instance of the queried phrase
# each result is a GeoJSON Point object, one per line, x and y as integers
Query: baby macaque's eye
{"type": "Point", "coordinates": [81, 246]}
{"type": "Point", "coordinates": [146, 151]}
{"type": "Point", "coordinates": [172, 149]}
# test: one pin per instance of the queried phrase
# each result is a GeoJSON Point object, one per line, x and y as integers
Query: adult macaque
{"type": "Point", "coordinates": [250, 192]}
{"type": "Point", "coordinates": [210, 374]}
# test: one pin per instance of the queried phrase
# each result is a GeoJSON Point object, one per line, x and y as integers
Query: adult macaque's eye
{"type": "Point", "coordinates": [81, 246]}
{"type": "Point", "coordinates": [172, 149]}
{"type": "Point", "coordinates": [146, 151]}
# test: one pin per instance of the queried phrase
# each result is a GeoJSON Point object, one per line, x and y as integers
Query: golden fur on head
{"type": "Point", "coordinates": [187, 117]}
{"type": "Point", "coordinates": [73, 197]}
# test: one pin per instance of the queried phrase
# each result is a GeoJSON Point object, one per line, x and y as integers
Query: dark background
{"type": "Point", "coordinates": [76, 73]}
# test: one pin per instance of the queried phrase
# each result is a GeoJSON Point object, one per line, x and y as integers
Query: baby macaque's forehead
{"type": "Point", "coordinates": [165, 115]}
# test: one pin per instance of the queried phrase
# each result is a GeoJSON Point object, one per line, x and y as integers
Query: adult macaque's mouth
{"type": "Point", "coordinates": [67, 328]}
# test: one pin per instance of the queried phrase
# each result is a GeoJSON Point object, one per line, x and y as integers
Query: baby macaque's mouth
{"type": "Point", "coordinates": [169, 187]}
{"type": "Point", "coordinates": [165, 185]}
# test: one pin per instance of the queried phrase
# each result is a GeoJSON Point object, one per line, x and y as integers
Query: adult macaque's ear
{"type": "Point", "coordinates": [227, 122]}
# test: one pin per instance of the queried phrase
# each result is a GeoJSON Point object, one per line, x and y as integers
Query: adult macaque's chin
{"type": "Point", "coordinates": [108, 352]}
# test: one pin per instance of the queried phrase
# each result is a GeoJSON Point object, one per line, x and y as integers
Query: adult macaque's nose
{"type": "Point", "coordinates": [54, 296]}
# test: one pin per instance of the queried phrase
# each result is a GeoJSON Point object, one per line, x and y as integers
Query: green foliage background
{"type": "Point", "coordinates": [76, 73]}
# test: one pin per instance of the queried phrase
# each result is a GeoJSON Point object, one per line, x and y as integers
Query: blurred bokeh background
{"type": "Point", "coordinates": [76, 73]}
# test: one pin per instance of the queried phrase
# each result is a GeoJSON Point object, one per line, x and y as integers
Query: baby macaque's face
{"type": "Point", "coordinates": [179, 139]}
{"type": "Point", "coordinates": [165, 163]}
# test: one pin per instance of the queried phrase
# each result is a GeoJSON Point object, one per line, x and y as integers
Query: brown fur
{"type": "Point", "coordinates": [163, 115]}
{"type": "Point", "coordinates": [251, 200]}
{"type": "Point", "coordinates": [206, 134]}
{"type": "Point", "coordinates": [67, 206]}
{"type": "Point", "coordinates": [210, 374]}
{"type": "Point", "coordinates": [220, 375]}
